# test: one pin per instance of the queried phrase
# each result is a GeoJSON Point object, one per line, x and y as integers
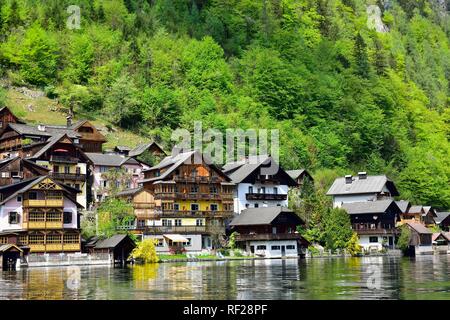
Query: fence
{"type": "Point", "coordinates": [67, 259]}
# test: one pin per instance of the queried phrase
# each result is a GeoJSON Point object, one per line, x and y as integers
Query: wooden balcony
{"type": "Point", "coordinates": [43, 225]}
{"type": "Point", "coordinates": [373, 231]}
{"type": "Point", "coordinates": [143, 205]}
{"type": "Point", "coordinates": [166, 229]}
{"type": "Point", "coordinates": [191, 214]}
{"type": "Point", "coordinates": [265, 196]}
{"type": "Point", "coordinates": [68, 176]}
{"type": "Point", "coordinates": [268, 236]}
{"type": "Point", "coordinates": [190, 196]}
{"type": "Point", "coordinates": [64, 159]}
{"type": "Point", "coordinates": [44, 203]}
{"type": "Point", "coordinates": [196, 179]}
{"type": "Point", "coordinates": [54, 247]}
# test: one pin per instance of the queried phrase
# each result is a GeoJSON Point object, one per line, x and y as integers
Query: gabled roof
{"type": "Point", "coordinates": [429, 209]}
{"type": "Point", "coordinates": [111, 242]}
{"type": "Point", "coordinates": [436, 235]}
{"type": "Point", "coordinates": [419, 228]}
{"type": "Point", "coordinates": [174, 161]}
{"type": "Point", "coordinates": [9, 110]}
{"type": "Point", "coordinates": [260, 216]}
{"type": "Point", "coordinates": [368, 207]}
{"type": "Point", "coordinates": [441, 216]}
{"type": "Point", "coordinates": [403, 205]}
{"type": "Point", "coordinates": [295, 174]}
{"type": "Point", "coordinates": [371, 184]}
{"type": "Point", "coordinates": [49, 131]}
{"type": "Point", "coordinates": [416, 209]}
{"type": "Point", "coordinates": [129, 192]}
{"type": "Point", "coordinates": [110, 159]}
{"type": "Point", "coordinates": [25, 185]}
{"type": "Point", "coordinates": [9, 246]}
{"type": "Point", "coordinates": [238, 171]}
{"type": "Point", "coordinates": [142, 148]}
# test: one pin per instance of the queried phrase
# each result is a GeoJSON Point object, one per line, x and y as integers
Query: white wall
{"type": "Point", "coordinates": [364, 241]}
{"type": "Point", "coordinates": [269, 253]}
{"type": "Point", "coordinates": [196, 242]}
{"type": "Point", "coordinates": [69, 206]}
{"type": "Point", "coordinates": [10, 206]}
{"type": "Point", "coordinates": [348, 198]}
{"type": "Point", "coordinates": [240, 200]}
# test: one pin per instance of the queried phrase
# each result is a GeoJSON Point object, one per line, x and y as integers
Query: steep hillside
{"type": "Point", "coordinates": [351, 84]}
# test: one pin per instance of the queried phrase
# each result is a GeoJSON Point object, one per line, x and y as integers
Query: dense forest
{"type": "Point", "coordinates": [344, 96]}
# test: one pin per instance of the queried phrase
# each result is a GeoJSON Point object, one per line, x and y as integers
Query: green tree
{"type": "Point", "coordinates": [403, 240]}
{"type": "Point", "coordinates": [337, 230]}
{"type": "Point", "coordinates": [113, 215]}
{"type": "Point", "coordinates": [145, 251]}
{"type": "Point", "coordinates": [353, 246]}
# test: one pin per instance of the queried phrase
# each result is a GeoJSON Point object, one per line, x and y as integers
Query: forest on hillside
{"type": "Point", "coordinates": [344, 96]}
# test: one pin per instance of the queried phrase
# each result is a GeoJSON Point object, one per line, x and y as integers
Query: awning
{"type": "Point", "coordinates": [175, 237]}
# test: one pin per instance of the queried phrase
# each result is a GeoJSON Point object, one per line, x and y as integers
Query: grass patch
{"type": "Point", "coordinates": [171, 256]}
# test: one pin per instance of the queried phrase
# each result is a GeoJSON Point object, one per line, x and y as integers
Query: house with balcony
{"type": "Point", "coordinates": [40, 215]}
{"type": "Point", "coordinates": [102, 166]}
{"type": "Point", "coordinates": [360, 188]}
{"type": "Point", "coordinates": [269, 232]}
{"type": "Point", "coordinates": [260, 182]}
{"type": "Point", "coordinates": [16, 169]}
{"type": "Point", "coordinates": [191, 201]}
{"type": "Point", "coordinates": [375, 223]}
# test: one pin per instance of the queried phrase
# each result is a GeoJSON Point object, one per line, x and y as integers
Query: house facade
{"type": "Point", "coordinates": [374, 222]}
{"type": "Point", "coordinates": [421, 239]}
{"type": "Point", "coordinates": [260, 182]}
{"type": "Point", "coordinates": [187, 202]}
{"type": "Point", "coordinates": [269, 232]}
{"type": "Point", "coordinates": [361, 188]}
{"type": "Point", "coordinates": [40, 214]}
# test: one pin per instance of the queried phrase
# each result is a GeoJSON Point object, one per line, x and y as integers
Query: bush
{"type": "Point", "coordinates": [403, 240]}
{"type": "Point", "coordinates": [145, 251]}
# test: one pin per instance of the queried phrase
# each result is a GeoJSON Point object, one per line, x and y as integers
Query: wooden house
{"type": "Point", "coordinates": [191, 197]}
{"type": "Point", "coordinates": [269, 232]}
{"type": "Point", "coordinates": [300, 176]}
{"type": "Point", "coordinates": [119, 247]}
{"type": "Point", "coordinates": [443, 220]}
{"type": "Point", "coordinates": [7, 117]}
{"type": "Point", "coordinates": [374, 222]}
{"type": "Point", "coordinates": [16, 169]}
{"type": "Point", "coordinates": [421, 239]}
{"type": "Point", "coordinates": [90, 138]}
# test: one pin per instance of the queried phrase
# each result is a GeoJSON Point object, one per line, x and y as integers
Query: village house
{"type": "Point", "coordinates": [361, 188]}
{"type": "Point", "coordinates": [443, 220]}
{"type": "Point", "coordinates": [269, 232]}
{"type": "Point", "coordinates": [102, 163]}
{"type": "Point", "coordinates": [374, 222]}
{"type": "Point", "coordinates": [90, 138]}
{"type": "Point", "coordinates": [256, 189]}
{"type": "Point", "coordinates": [420, 241]}
{"type": "Point", "coordinates": [16, 169]}
{"type": "Point", "coordinates": [441, 242]}
{"type": "Point", "coordinates": [152, 147]}
{"type": "Point", "coordinates": [118, 247]}
{"type": "Point", "coordinates": [189, 201]}
{"type": "Point", "coordinates": [40, 215]}
{"type": "Point", "coordinates": [300, 176]}
{"type": "Point", "coordinates": [428, 216]}
{"type": "Point", "coordinates": [7, 117]}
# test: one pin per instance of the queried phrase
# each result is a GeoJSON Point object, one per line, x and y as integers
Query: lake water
{"type": "Point", "coordinates": [424, 277]}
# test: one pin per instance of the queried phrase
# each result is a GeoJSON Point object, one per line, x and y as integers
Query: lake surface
{"type": "Point", "coordinates": [322, 278]}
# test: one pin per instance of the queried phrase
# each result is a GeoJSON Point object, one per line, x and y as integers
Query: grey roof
{"type": "Point", "coordinates": [371, 184]}
{"type": "Point", "coordinates": [141, 149]}
{"type": "Point", "coordinates": [364, 207]}
{"type": "Point", "coordinates": [111, 242]}
{"type": "Point", "coordinates": [110, 159]}
{"type": "Point", "coordinates": [403, 205]}
{"type": "Point", "coordinates": [6, 247]}
{"type": "Point", "coordinates": [258, 216]}
{"type": "Point", "coordinates": [48, 132]}
{"type": "Point", "coordinates": [415, 209]}
{"type": "Point", "coordinates": [50, 142]}
{"type": "Point", "coordinates": [129, 192]}
{"type": "Point", "coordinates": [420, 228]}
{"type": "Point", "coordinates": [122, 148]}
{"type": "Point", "coordinates": [440, 216]}
{"type": "Point", "coordinates": [427, 209]}
{"type": "Point", "coordinates": [295, 173]}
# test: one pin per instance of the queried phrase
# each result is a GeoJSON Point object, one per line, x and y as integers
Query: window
{"type": "Point", "coordinates": [160, 242]}
{"type": "Point", "coordinates": [5, 174]}
{"type": "Point", "coordinates": [105, 183]}
{"type": "Point", "coordinates": [67, 217]}
{"type": "Point", "coordinates": [32, 195]}
{"type": "Point", "coordinates": [19, 198]}
{"type": "Point", "coordinates": [166, 223]}
{"type": "Point", "coordinates": [189, 243]}
{"type": "Point", "coordinates": [199, 222]}
{"type": "Point", "coordinates": [275, 248]}
{"type": "Point", "coordinates": [66, 169]}
{"type": "Point", "coordinates": [13, 218]}
{"type": "Point", "coordinates": [54, 216]}
{"type": "Point", "coordinates": [194, 188]}
{"type": "Point", "coordinates": [275, 190]}
{"type": "Point", "coordinates": [36, 239]}
{"type": "Point", "coordinates": [141, 223]}
{"type": "Point", "coordinates": [263, 189]}
{"type": "Point", "coordinates": [373, 239]}
{"type": "Point", "coordinates": [261, 247]}
{"type": "Point", "coordinates": [256, 205]}
{"type": "Point", "coordinates": [78, 170]}
{"type": "Point", "coordinates": [53, 238]}
{"type": "Point", "coordinates": [213, 189]}
{"type": "Point", "coordinates": [55, 169]}
{"type": "Point", "coordinates": [176, 206]}
{"type": "Point", "coordinates": [194, 207]}
{"type": "Point", "coordinates": [247, 205]}
{"type": "Point", "coordinates": [71, 238]}
{"type": "Point", "coordinates": [103, 169]}
{"type": "Point", "coordinates": [250, 189]}
{"type": "Point", "coordinates": [214, 207]}
{"type": "Point", "coordinates": [290, 247]}
{"type": "Point", "coordinates": [36, 216]}
{"type": "Point", "coordinates": [178, 222]}
{"type": "Point", "coordinates": [77, 186]}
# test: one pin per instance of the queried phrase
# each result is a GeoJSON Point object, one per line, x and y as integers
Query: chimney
{"type": "Point", "coordinates": [69, 121]}
{"type": "Point", "coordinates": [41, 127]}
{"type": "Point", "coordinates": [348, 179]}
{"type": "Point", "coordinates": [362, 175]}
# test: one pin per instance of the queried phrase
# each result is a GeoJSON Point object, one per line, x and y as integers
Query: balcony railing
{"type": "Point", "coordinates": [269, 236]}
{"type": "Point", "coordinates": [364, 230]}
{"type": "Point", "coordinates": [197, 179]}
{"type": "Point", "coordinates": [192, 214]}
{"type": "Point", "coordinates": [265, 196]}
{"type": "Point", "coordinates": [190, 195]}
{"type": "Point", "coordinates": [166, 229]}
{"type": "Point", "coordinates": [44, 203]}
{"type": "Point", "coordinates": [69, 176]}
{"type": "Point", "coordinates": [54, 247]}
{"type": "Point", "coordinates": [43, 225]}
{"type": "Point", "coordinates": [63, 159]}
